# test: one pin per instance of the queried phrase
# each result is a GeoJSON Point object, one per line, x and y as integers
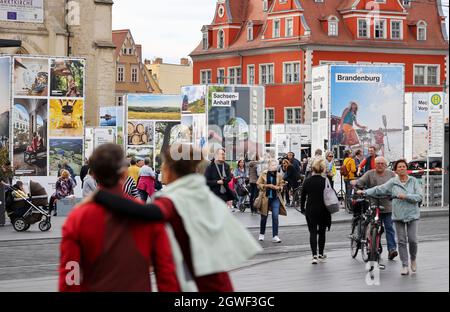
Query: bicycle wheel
{"type": "Point", "coordinates": [374, 244]}
{"type": "Point", "coordinates": [354, 239]}
{"type": "Point", "coordinates": [365, 237]}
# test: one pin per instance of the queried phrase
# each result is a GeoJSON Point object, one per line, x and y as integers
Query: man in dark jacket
{"type": "Point", "coordinates": [294, 161]}
{"type": "Point", "coordinates": [218, 175]}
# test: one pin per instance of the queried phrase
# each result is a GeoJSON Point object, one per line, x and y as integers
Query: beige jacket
{"type": "Point", "coordinates": [262, 181]}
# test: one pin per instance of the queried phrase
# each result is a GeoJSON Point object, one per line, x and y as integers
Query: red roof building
{"type": "Point", "coordinates": [277, 42]}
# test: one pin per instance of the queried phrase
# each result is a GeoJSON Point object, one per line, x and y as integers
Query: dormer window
{"type": "Point", "coordinates": [250, 32]}
{"type": "Point", "coordinates": [265, 5]}
{"type": "Point", "coordinates": [406, 3]}
{"type": "Point", "coordinates": [205, 41]}
{"type": "Point", "coordinates": [421, 31]}
{"type": "Point", "coordinates": [333, 26]}
{"type": "Point", "coordinates": [276, 28]}
{"type": "Point", "coordinates": [289, 27]}
{"type": "Point", "coordinates": [380, 29]}
{"type": "Point", "coordinates": [220, 39]}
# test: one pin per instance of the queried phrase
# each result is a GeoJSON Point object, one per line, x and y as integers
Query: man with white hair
{"type": "Point", "coordinates": [375, 177]}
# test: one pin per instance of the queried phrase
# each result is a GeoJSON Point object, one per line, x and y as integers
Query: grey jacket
{"type": "Point", "coordinates": [402, 210]}
{"type": "Point", "coordinates": [253, 171]}
{"type": "Point", "coordinates": [89, 185]}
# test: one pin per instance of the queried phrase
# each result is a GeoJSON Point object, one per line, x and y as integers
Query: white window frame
{"type": "Point", "coordinates": [224, 78]}
{"type": "Point", "coordinates": [269, 121]}
{"type": "Point", "coordinates": [401, 29]}
{"type": "Point", "coordinates": [367, 28]}
{"type": "Point", "coordinates": [291, 79]}
{"type": "Point", "coordinates": [375, 28]}
{"type": "Point", "coordinates": [289, 31]}
{"type": "Point", "coordinates": [265, 5]}
{"type": "Point", "coordinates": [206, 72]}
{"type": "Point", "coordinates": [134, 71]}
{"type": "Point", "coordinates": [422, 25]}
{"type": "Point", "coordinates": [268, 81]}
{"type": "Point", "coordinates": [293, 109]}
{"type": "Point", "coordinates": [220, 46]}
{"type": "Point", "coordinates": [205, 40]}
{"type": "Point", "coordinates": [331, 23]}
{"type": "Point", "coordinates": [276, 32]}
{"type": "Point", "coordinates": [233, 76]}
{"type": "Point", "coordinates": [425, 74]}
{"type": "Point", "coordinates": [120, 74]}
{"type": "Point", "coordinates": [249, 32]}
{"type": "Point", "coordinates": [249, 78]}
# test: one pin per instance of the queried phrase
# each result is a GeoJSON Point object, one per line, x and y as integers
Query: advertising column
{"type": "Point", "coordinates": [320, 107]}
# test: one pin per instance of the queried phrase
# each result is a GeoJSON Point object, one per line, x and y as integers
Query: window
{"type": "Point", "coordinates": [134, 74]}
{"type": "Point", "coordinates": [234, 75]}
{"type": "Point", "coordinates": [396, 30]}
{"type": "Point", "coordinates": [120, 73]}
{"type": "Point", "coordinates": [265, 5]}
{"type": "Point", "coordinates": [332, 27]}
{"type": "Point", "coordinates": [269, 118]}
{"type": "Point", "coordinates": [293, 116]}
{"type": "Point", "coordinates": [421, 31]}
{"type": "Point", "coordinates": [205, 76]}
{"type": "Point", "coordinates": [380, 29]}
{"type": "Point", "coordinates": [291, 72]}
{"type": "Point", "coordinates": [426, 75]}
{"type": "Point", "coordinates": [124, 51]}
{"type": "Point", "coordinates": [251, 74]}
{"type": "Point", "coordinates": [205, 41]}
{"type": "Point", "coordinates": [220, 39]}
{"type": "Point", "coordinates": [221, 75]}
{"type": "Point", "coordinates": [283, 1]}
{"type": "Point", "coordinates": [289, 27]}
{"type": "Point", "coordinates": [363, 30]}
{"type": "Point", "coordinates": [250, 32]}
{"type": "Point", "coordinates": [406, 3]}
{"type": "Point", "coordinates": [276, 28]}
{"type": "Point", "coordinates": [318, 1]}
{"type": "Point", "coordinates": [266, 74]}
{"type": "Point", "coordinates": [119, 100]}
{"type": "Point", "coordinates": [130, 51]}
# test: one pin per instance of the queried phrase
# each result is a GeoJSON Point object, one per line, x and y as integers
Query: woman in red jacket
{"type": "Point", "coordinates": [201, 223]}
{"type": "Point", "coordinates": [102, 251]}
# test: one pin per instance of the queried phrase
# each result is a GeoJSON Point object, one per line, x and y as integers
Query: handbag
{"type": "Point", "coordinates": [257, 203]}
{"type": "Point", "coordinates": [330, 198]}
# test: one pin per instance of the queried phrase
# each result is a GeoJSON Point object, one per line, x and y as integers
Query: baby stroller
{"type": "Point", "coordinates": [242, 190]}
{"type": "Point", "coordinates": [25, 211]}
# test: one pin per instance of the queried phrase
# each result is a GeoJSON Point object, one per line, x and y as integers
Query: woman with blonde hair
{"type": "Point", "coordinates": [270, 185]}
{"type": "Point", "coordinates": [313, 207]}
{"type": "Point", "coordinates": [64, 188]}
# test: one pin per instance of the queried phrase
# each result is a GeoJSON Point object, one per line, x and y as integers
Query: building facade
{"type": "Point", "coordinates": [170, 77]}
{"type": "Point", "coordinates": [131, 74]}
{"type": "Point", "coordinates": [277, 42]}
{"type": "Point", "coordinates": [84, 31]}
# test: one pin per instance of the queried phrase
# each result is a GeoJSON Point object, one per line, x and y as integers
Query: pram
{"type": "Point", "coordinates": [25, 211]}
{"type": "Point", "coordinates": [242, 190]}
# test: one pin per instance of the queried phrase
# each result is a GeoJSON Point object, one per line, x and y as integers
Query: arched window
{"type": "Point", "coordinates": [250, 32]}
{"type": "Point", "coordinates": [220, 39]}
{"type": "Point", "coordinates": [333, 28]}
{"type": "Point", "coordinates": [421, 30]}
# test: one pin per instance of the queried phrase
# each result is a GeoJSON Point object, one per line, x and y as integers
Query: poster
{"type": "Point", "coordinates": [108, 116]}
{"type": "Point", "coordinates": [66, 118]}
{"type": "Point", "coordinates": [186, 130]}
{"type": "Point", "coordinates": [30, 137]}
{"type": "Point", "coordinates": [320, 107]}
{"type": "Point", "coordinates": [367, 108]}
{"type": "Point", "coordinates": [5, 73]}
{"type": "Point", "coordinates": [22, 11]}
{"type": "Point", "coordinates": [166, 133]}
{"type": "Point", "coordinates": [436, 128]}
{"type": "Point", "coordinates": [193, 99]}
{"type": "Point", "coordinates": [67, 78]}
{"type": "Point", "coordinates": [30, 76]}
{"type": "Point", "coordinates": [199, 130]}
{"type": "Point", "coordinates": [140, 132]}
{"type": "Point", "coordinates": [65, 151]}
{"type": "Point", "coordinates": [141, 153]}
{"type": "Point", "coordinates": [153, 107]}
{"type": "Point", "coordinates": [104, 136]}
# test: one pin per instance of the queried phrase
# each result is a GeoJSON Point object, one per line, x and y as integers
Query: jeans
{"type": "Point", "coordinates": [348, 192]}
{"type": "Point", "coordinates": [253, 195]}
{"type": "Point", "coordinates": [386, 218]}
{"type": "Point", "coordinates": [314, 231]}
{"type": "Point", "coordinates": [143, 195]}
{"type": "Point", "coordinates": [407, 234]}
{"type": "Point", "coordinates": [274, 204]}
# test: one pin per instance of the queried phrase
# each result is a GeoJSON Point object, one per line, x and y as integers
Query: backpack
{"type": "Point", "coordinates": [344, 170]}
{"type": "Point", "coordinates": [330, 198]}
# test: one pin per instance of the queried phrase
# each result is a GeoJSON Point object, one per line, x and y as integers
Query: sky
{"type": "Point", "coordinates": [169, 29]}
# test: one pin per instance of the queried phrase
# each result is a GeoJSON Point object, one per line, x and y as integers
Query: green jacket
{"type": "Point", "coordinates": [402, 210]}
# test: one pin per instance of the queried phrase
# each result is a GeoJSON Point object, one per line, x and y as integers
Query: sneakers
{"type": "Point", "coordinates": [392, 254]}
{"type": "Point", "coordinates": [322, 258]}
{"type": "Point", "coordinates": [276, 239]}
{"type": "Point", "coordinates": [261, 237]}
{"type": "Point", "coordinates": [413, 266]}
{"type": "Point", "coordinates": [315, 260]}
{"type": "Point", "coordinates": [404, 271]}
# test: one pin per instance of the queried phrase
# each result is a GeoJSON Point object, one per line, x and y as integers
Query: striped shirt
{"type": "Point", "coordinates": [130, 188]}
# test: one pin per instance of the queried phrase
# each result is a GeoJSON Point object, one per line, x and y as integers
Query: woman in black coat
{"type": "Point", "coordinates": [317, 215]}
{"type": "Point", "coordinates": [218, 175]}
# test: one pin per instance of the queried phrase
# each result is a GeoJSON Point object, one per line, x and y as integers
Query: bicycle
{"type": "Point", "coordinates": [297, 194]}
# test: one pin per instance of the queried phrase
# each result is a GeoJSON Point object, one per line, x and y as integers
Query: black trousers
{"type": "Point", "coordinates": [253, 195]}
{"type": "Point", "coordinates": [314, 231]}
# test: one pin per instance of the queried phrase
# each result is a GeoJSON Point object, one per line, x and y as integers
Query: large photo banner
{"type": "Point", "coordinates": [5, 105]}
{"type": "Point", "coordinates": [367, 108]}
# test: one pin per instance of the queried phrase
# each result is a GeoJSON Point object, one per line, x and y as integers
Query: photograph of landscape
{"type": "Point", "coordinates": [193, 99]}
{"type": "Point", "coordinates": [153, 107]}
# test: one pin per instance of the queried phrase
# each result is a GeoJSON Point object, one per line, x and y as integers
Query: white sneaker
{"type": "Point", "coordinates": [314, 260]}
{"type": "Point", "coordinates": [261, 237]}
{"type": "Point", "coordinates": [322, 258]}
{"type": "Point", "coordinates": [276, 239]}
{"type": "Point", "coordinates": [404, 271]}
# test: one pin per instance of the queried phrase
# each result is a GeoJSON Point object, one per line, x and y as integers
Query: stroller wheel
{"type": "Point", "coordinates": [45, 226]}
{"type": "Point", "coordinates": [20, 225]}
{"type": "Point", "coordinates": [242, 207]}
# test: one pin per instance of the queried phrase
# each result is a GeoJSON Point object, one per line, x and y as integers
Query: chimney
{"type": "Point", "coordinates": [147, 62]}
{"type": "Point", "coordinates": [158, 60]}
{"type": "Point", "coordinates": [185, 61]}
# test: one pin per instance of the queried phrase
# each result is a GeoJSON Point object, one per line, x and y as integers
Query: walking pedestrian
{"type": "Point", "coordinates": [358, 159]}
{"type": "Point", "coordinates": [270, 185]}
{"type": "Point", "coordinates": [253, 178]}
{"type": "Point", "coordinates": [130, 188]}
{"type": "Point", "coordinates": [294, 161]}
{"type": "Point", "coordinates": [330, 171]}
{"type": "Point", "coordinates": [84, 171]}
{"type": "Point", "coordinates": [313, 207]}
{"type": "Point", "coordinates": [291, 176]}
{"type": "Point", "coordinates": [218, 176]}
{"type": "Point", "coordinates": [317, 155]}
{"type": "Point", "coordinates": [211, 240]}
{"type": "Point", "coordinates": [133, 170]}
{"type": "Point", "coordinates": [113, 253]}
{"type": "Point", "coordinates": [407, 194]}
{"type": "Point", "coordinates": [146, 183]}
{"type": "Point", "coordinates": [241, 176]}
{"type": "Point", "coordinates": [89, 185]}
{"type": "Point", "coordinates": [348, 171]}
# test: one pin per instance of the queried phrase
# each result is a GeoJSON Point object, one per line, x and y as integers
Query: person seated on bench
{"type": "Point", "coordinates": [64, 189]}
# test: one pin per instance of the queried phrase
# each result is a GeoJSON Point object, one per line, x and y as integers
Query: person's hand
{"type": "Point", "coordinates": [220, 182]}
{"type": "Point", "coordinates": [360, 192]}
{"type": "Point", "coordinates": [353, 182]}
{"type": "Point", "coordinates": [358, 173]}
{"type": "Point", "coordinates": [401, 196]}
